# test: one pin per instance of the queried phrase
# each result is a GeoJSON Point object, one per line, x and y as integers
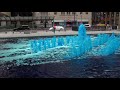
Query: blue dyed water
{"type": "Point", "coordinates": [58, 49]}
{"type": "Point", "coordinates": [55, 62]}
{"type": "Point", "coordinates": [79, 45]}
{"type": "Point", "coordinates": [70, 56]}
{"type": "Point", "coordinates": [19, 50]}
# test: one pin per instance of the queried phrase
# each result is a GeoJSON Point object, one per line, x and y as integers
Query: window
{"type": "Point", "coordinates": [13, 22]}
{"type": "Point", "coordinates": [41, 21]}
{"type": "Point", "coordinates": [68, 13]}
{"type": "Point", "coordinates": [112, 14]}
{"type": "Point", "coordinates": [14, 13]}
{"type": "Point", "coordinates": [108, 13]}
{"type": "Point", "coordinates": [44, 13]}
{"type": "Point", "coordinates": [25, 13]}
{"type": "Point", "coordinates": [55, 13]}
{"type": "Point", "coordinates": [85, 22]}
{"type": "Point", "coordinates": [86, 12]}
{"type": "Point", "coordinates": [73, 13]}
{"type": "Point", "coordinates": [117, 13]}
{"type": "Point", "coordinates": [62, 13]}
{"type": "Point", "coordinates": [80, 12]}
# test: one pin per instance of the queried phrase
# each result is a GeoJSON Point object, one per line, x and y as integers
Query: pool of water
{"type": "Point", "coordinates": [18, 60]}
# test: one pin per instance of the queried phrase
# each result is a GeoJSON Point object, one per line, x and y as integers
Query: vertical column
{"type": "Point", "coordinates": [9, 23]}
{"type": "Point", "coordinates": [100, 17]}
{"type": "Point", "coordinates": [18, 20]}
{"type": "Point", "coordinates": [18, 23]}
{"type": "Point", "coordinates": [3, 23]}
{"type": "Point", "coordinates": [95, 16]}
{"type": "Point", "coordinates": [114, 18]}
{"type": "Point", "coordinates": [90, 18]}
{"type": "Point", "coordinates": [53, 21]}
{"type": "Point", "coordinates": [105, 18]}
{"type": "Point", "coordinates": [37, 14]}
{"type": "Point", "coordinates": [110, 19]}
{"type": "Point", "coordinates": [119, 22]}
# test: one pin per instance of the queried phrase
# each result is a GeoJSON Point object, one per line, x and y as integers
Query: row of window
{"type": "Point", "coordinates": [68, 13]}
{"type": "Point", "coordinates": [103, 14]}
{"type": "Point", "coordinates": [21, 13]}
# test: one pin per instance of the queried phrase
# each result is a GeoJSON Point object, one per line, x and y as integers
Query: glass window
{"type": "Point", "coordinates": [55, 13]}
{"type": "Point", "coordinates": [112, 14]}
{"type": "Point", "coordinates": [73, 12]}
{"type": "Point", "coordinates": [80, 12]}
{"type": "Point", "coordinates": [117, 13]}
{"type": "Point", "coordinates": [62, 13]}
{"type": "Point", "coordinates": [68, 13]}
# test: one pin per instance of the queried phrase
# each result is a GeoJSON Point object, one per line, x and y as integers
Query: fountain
{"type": "Point", "coordinates": [111, 46]}
{"type": "Point", "coordinates": [79, 45]}
{"type": "Point", "coordinates": [82, 31]}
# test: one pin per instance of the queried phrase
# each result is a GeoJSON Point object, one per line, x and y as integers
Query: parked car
{"type": "Point", "coordinates": [58, 28]}
{"type": "Point", "coordinates": [23, 27]}
{"type": "Point", "coordinates": [87, 25]}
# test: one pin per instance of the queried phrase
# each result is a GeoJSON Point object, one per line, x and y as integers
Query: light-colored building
{"type": "Point", "coordinates": [71, 16]}
{"type": "Point", "coordinates": [4, 14]}
{"type": "Point", "coordinates": [61, 18]}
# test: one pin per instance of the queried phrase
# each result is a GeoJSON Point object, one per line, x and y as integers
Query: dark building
{"type": "Point", "coordinates": [111, 18]}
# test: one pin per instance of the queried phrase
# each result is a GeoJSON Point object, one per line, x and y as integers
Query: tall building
{"type": "Point", "coordinates": [24, 18]}
{"type": "Point", "coordinates": [119, 22]}
{"type": "Point", "coordinates": [61, 18]}
{"type": "Point", "coordinates": [5, 14]}
{"type": "Point", "coordinates": [111, 18]}
{"type": "Point", "coordinates": [69, 17]}
{"type": "Point", "coordinates": [47, 18]}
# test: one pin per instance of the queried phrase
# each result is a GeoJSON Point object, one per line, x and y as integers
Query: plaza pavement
{"type": "Point", "coordinates": [38, 33]}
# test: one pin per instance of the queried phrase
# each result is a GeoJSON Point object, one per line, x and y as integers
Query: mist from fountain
{"type": "Point", "coordinates": [79, 45]}
{"type": "Point", "coordinates": [111, 46]}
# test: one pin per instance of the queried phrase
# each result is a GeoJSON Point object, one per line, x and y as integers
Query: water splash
{"type": "Point", "coordinates": [104, 44]}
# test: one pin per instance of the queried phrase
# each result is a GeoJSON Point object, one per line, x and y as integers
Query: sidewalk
{"type": "Point", "coordinates": [48, 33]}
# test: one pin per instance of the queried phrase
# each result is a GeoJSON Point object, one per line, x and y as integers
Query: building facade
{"type": "Point", "coordinates": [4, 14]}
{"type": "Point", "coordinates": [63, 18]}
{"type": "Point", "coordinates": [60, 18]}
{"type": "Point", "coordinates": [66, 18]}
{"type": "Point", "coordinates": [111, 18]}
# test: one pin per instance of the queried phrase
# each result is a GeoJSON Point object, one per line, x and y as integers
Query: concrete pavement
{"type": "Point", "coordinates": [48, 33]}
